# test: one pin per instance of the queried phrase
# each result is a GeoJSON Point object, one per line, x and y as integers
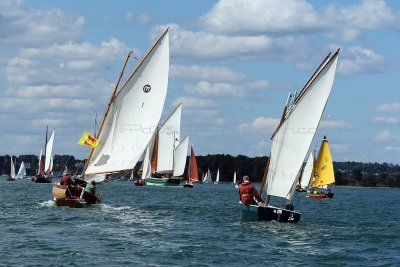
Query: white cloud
{"type": "Point", "coordinates": [194, 103]}
{"type": "Point", "coordinates": [387, 136]}
{"type": "Point", "coordinates": [335, 125]}
{"type": "Point", "coordinates": [386, 120]}
{"type": "Point", "coordinates": [361, 60]}
{"type": "Point", "coordinates": [388, 107]}
{"type": "Point", "coordinates": [145, 18]}
{"type": "Point", "coordinates": [45, 91]}
{"type": "Point", "coordinates": [339, 147]}
{"type": "Point", "coordinates": [203, 45]}
{"type": "Point", "coordinates": [252, 90]}
{"type": "Point", "coordinates": [298, 16]}
{"type": "Point", "coordinates": [244, 16]}
{"type": "Point", "coordinates": [211, 74]}
{"type": "Point", "coordinates": [26, 26]}
{"type": "Point", "coordinates": [259, 125]}
{"type": "Point", "coordinates": [393, 148]}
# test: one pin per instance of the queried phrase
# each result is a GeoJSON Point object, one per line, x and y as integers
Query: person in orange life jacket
{"type": "Point", "coordinates": [247, 193]}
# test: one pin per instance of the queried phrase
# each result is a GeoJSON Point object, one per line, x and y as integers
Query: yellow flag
{"type": "Point", "coordinates": [88, 140]}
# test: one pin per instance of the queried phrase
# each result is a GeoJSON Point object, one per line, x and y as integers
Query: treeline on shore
{"type": "Point", "coordinates": [346, 173]}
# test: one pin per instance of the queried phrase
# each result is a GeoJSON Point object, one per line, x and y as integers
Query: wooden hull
{"type": "Point", "coordinates": [71, 197]}
{"type": "Point", "coordinates": [268, 213]}
{"type": "Point", "coordinates": [320, 195]}
{"type": "Point", "coordinates": [163, 181]}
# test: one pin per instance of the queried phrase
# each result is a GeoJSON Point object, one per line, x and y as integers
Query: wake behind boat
{"type": "Point", "coordinates": [289, 148]}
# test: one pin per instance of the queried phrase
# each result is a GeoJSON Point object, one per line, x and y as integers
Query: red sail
{"type": "Point", "coordinates": [194, 173]}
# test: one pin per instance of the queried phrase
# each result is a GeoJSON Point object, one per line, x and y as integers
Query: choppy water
{"type": "Point", "coordinates": [154, 226]}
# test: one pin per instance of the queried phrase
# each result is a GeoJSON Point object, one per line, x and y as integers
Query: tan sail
{"type": "Point", "coordinates": [323, 171]}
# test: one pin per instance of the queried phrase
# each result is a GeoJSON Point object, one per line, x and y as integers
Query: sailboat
{"type": "Point", "coordinates": [44, 174]}
{"type": "Point", "coordinates": [193, 173]}
{"type": "Point", "coordinates": [290, 145]}
{"type": "Point", "coordinates": [128, 122]}
{"type": "Point", "coordinates": [323, 177]}
{"type": "Point", "coordinates": [217, 178]}
{"type": "Point", "coordinates": [11, 177]}
{"type": "Point", "coordinates": [169, 153]}
{"type": "Point", "coordinates": [207, 177]}
{"type": "Point", "coordinates": [305, 177]}
{"type": "Point", "coordinates": [22, 171]}
{"type": "Point", "coordinates": [234, 180]}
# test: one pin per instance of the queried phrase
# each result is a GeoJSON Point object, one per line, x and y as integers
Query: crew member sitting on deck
{"type": "Point", "coordinates": [66, 180]}
{"type": "Point", "coordinates": [248, 192]}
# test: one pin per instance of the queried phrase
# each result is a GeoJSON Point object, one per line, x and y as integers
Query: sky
{"type": "Point", "coordinates": [232, 65]}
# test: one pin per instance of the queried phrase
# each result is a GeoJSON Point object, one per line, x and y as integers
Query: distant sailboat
{"type": "Point", "coordinates": [12, 175]}
{"type": "Point", "coordinates": [289, 148]}
{"type": "Point", "coordinates": [169, 153]}
{"type": "Point", "coordinates": [217, 178]}
{"type": "Point", "coordinates": [304, 181]}
{"type": "Point", "coordinates": [207, 178]}
{"type": "Point", "coordinates": [22, 171]}
{"type": "Point", "coordinates": [193, 173]}
{"type": "Point", "coordinates": [323, 177]}
{"type": "Point", "coordinates": [139, 103]}
{"type": "Point", "coordinates": [46, 164]}
{"type": "Point", "coordinates": [234, 180]}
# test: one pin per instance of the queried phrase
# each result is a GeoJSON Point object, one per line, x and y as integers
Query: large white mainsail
{"type": "Point", "coordinates": [293, 137]}
{"type": "Point", "coordinates": [133, 113]}
{"type": "Point", "coordinates": [168, 139]}
{"type": "Point", "coordinates": [307, 171]}
{"type": "Point", "coordinates": [180, 156]}
{"type": "Point", "coordinates": [49, 156]}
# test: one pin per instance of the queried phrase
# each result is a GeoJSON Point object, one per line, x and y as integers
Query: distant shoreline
{"type": "Point", "coordinates": [355, 186]}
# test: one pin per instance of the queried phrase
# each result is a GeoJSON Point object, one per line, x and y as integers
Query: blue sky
{"type": "Point", "coordinates": [232, 65]}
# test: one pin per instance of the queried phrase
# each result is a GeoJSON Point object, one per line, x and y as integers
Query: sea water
{"type": "Point", "coordinates": [200, 226]}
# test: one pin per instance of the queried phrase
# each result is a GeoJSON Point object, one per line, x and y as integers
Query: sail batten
{"type": "Point", "coordinates": [293, 138]}
{"type": "Point", "coordinates": [133, 114]}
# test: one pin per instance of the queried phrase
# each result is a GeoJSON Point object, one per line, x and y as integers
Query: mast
{"type": "Point", "coordinates": [107, 109]}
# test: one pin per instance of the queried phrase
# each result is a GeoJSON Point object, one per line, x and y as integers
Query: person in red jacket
{"type": "Point", "coordinates": [248, 193]}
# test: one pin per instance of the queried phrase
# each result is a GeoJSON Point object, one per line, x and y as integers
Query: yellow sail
{"type": "Point", "coordinates": [323, 173]}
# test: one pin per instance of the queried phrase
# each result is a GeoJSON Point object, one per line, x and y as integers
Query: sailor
{"type": "Point", "coordinates": [247, 193]}
{"type": "Point", "coordinates": [91, 187]}
{"type": "Point", "coordinates": [66, 180]}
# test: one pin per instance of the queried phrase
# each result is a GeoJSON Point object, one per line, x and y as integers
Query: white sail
{"type": "Point", "coordinates": [12, 168]}
{"type": "Point", "coordinates": [208, 178]}
{"type": "Point", "coordinates": [307, 171]}
{"type": "Point", "coordinates": [168, 139]}
{"type": "Point", "coordinates": [21, 171]}
{"type": "Point", "coordinates": [234, 177]}
{"type": "Point", "coordinates": [180, 156]}
{"type": "Point", "coordinates": [133, 114]}
{"type": "Point", "coordinates": [217, 178]}
{"type": "Point", "coordinates": [49, 150]}
{"type": "Point", "coordinates": [98, 178]}
{"type": "Point", "coordinates": [146, 170]}
{"type": "Point", "coordinates": [293, 138]}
